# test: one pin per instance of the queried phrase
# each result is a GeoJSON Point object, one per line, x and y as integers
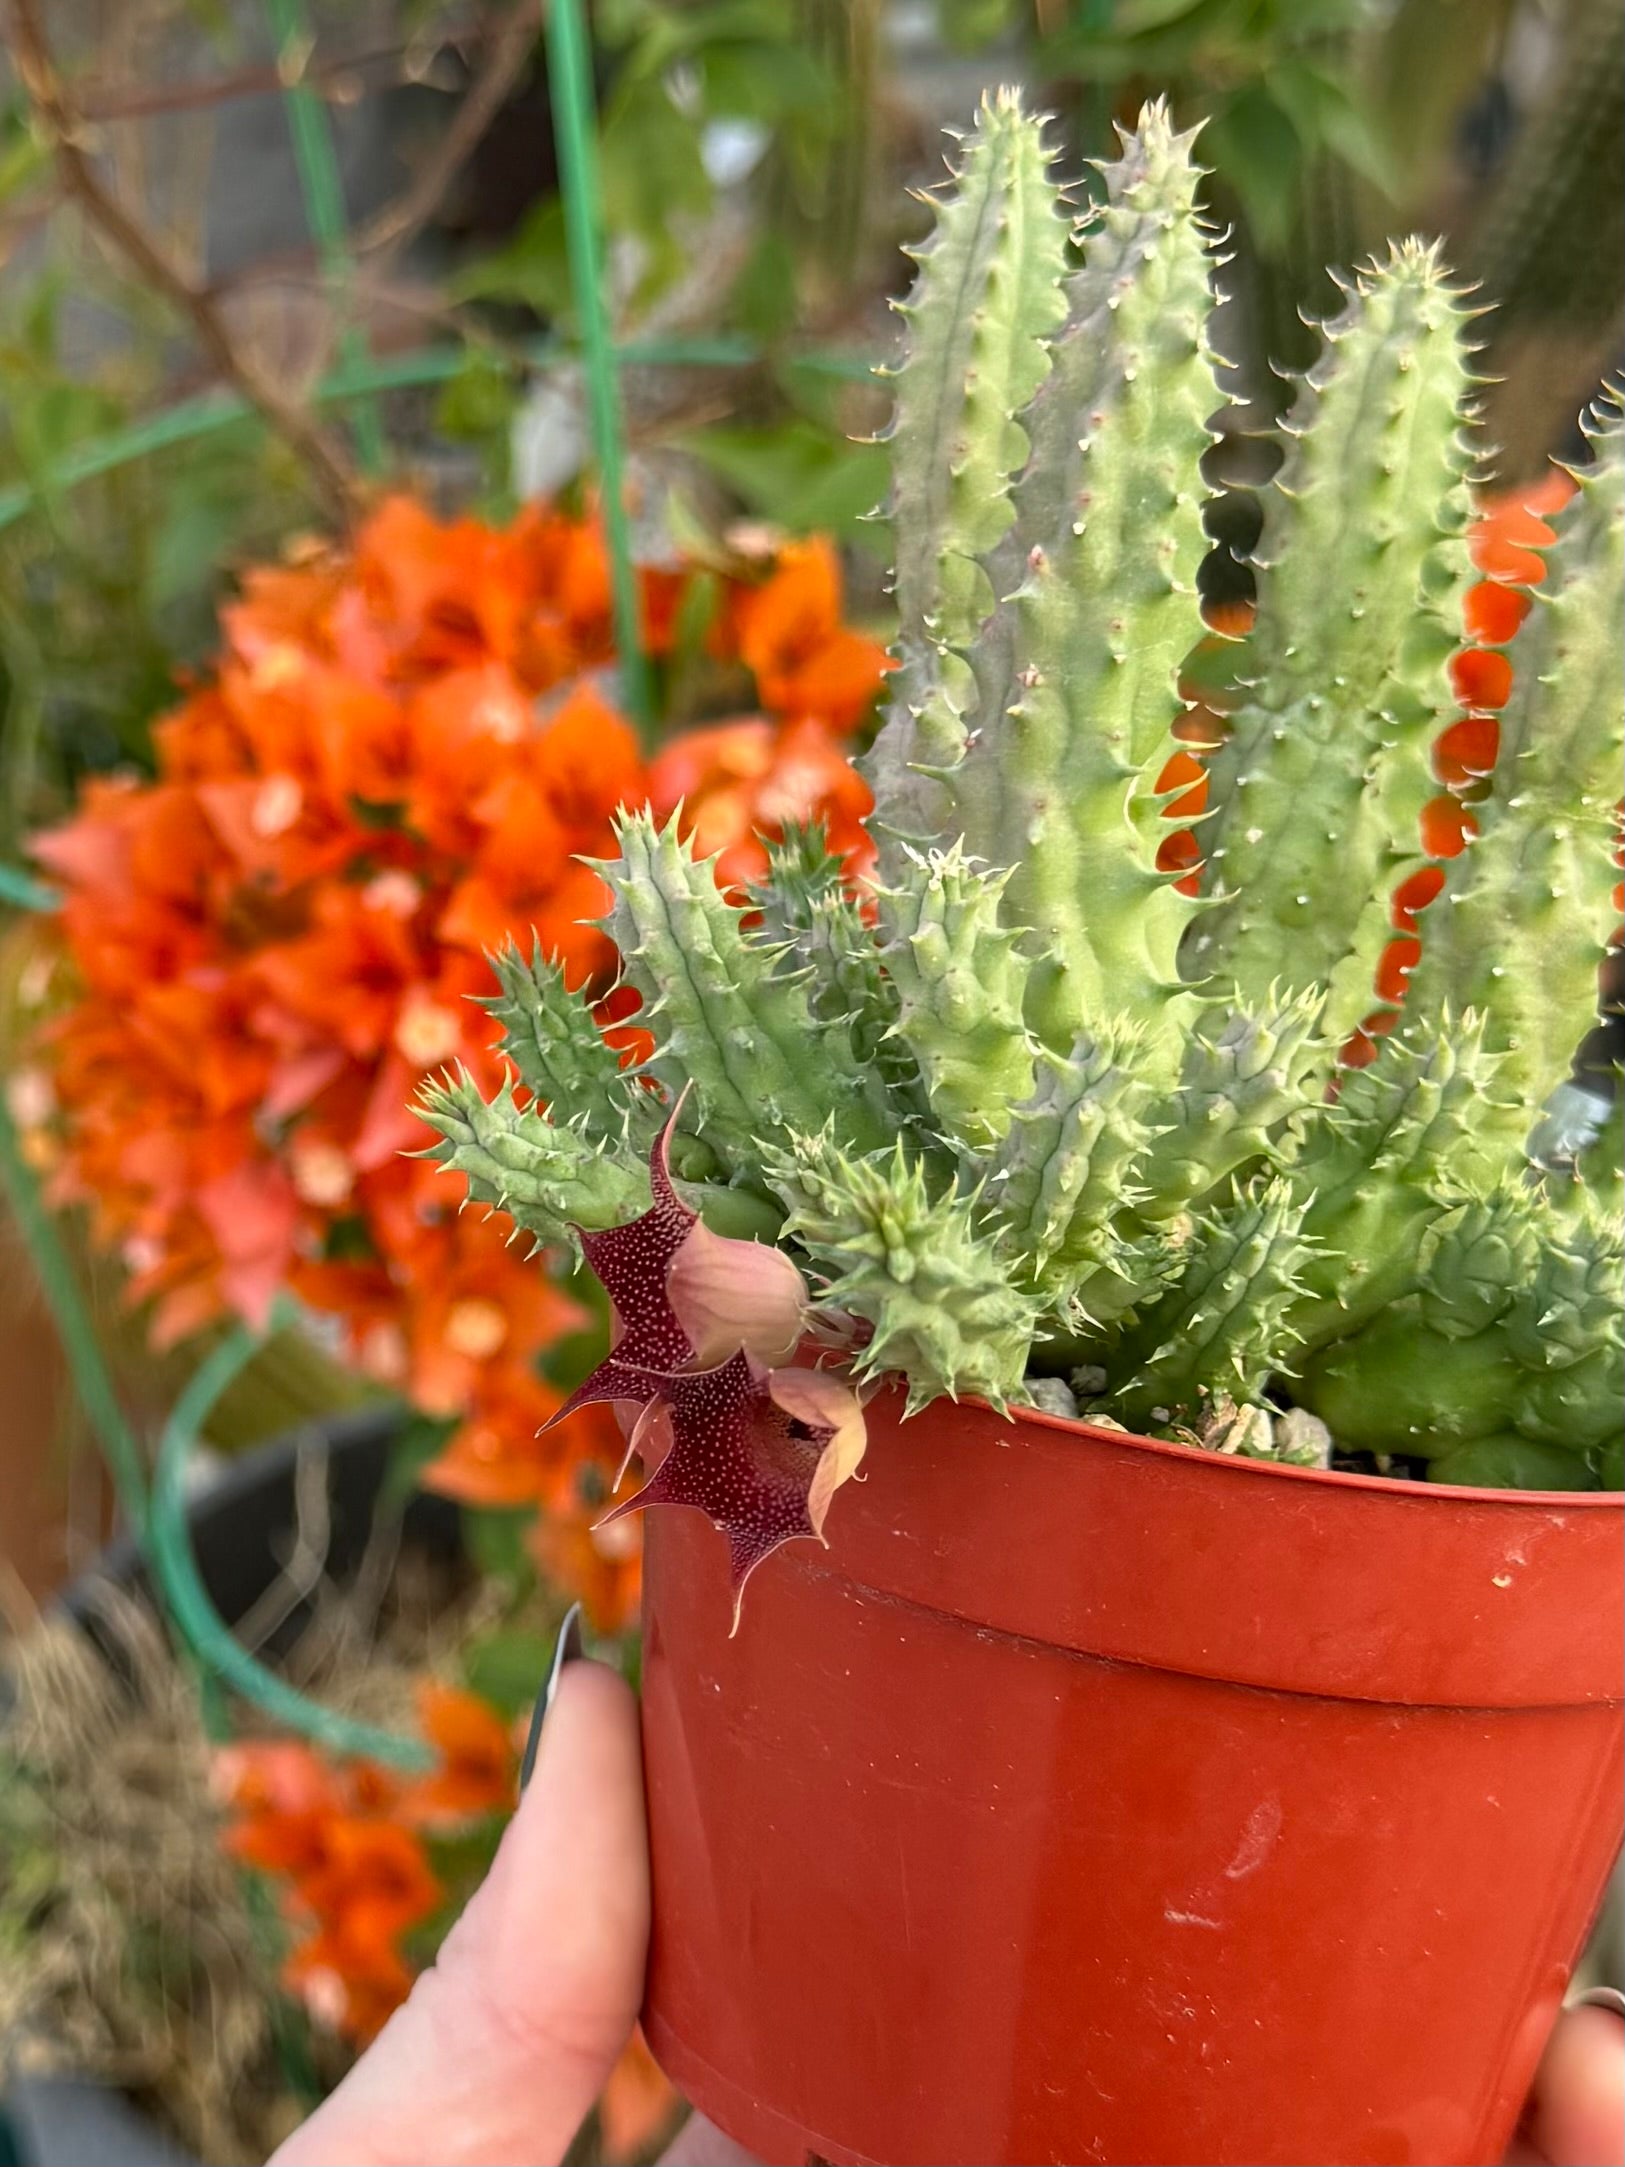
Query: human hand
{"type": "Point", "coordinates": [507, 2041]}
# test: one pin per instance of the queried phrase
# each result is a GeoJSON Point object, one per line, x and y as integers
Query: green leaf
{"type": "Point", "coordinates": [533, 269]}
{"type": "Point", "coordinates": [768, 82]}
{"type": "Point", "coordinates": [495, 1540]}
{"type": "Point", "coordinates": [1255, 149]}
{"type": "Point", "coordinates": [968, 25]}
{"type": "Point", "coordinates": [507, 1668]}
{"type": "Point", "coordinates": [1328, 118]}
{"type": "Point", "coordinates": [23, 155]}
{"type": "Point", "coordinates": [802, 477]}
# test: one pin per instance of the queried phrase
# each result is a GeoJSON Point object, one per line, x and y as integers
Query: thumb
{"type": "Point", "coordinates": [506, 2042]}
{"type": "Point", "coordinates": [1576, 2112]}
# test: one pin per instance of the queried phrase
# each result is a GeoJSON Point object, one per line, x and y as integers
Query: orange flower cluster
{"type": "Point", "coordinates": [404, 752]}
{"type": "Point", "coordinates": [744, 779]}
{"type": "Point", "coordinates": [348, 1849]}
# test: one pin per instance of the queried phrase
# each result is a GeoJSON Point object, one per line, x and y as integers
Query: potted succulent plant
{"type": "Point", "coordinates": [1151, 1765]}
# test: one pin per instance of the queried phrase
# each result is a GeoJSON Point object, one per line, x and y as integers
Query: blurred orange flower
{"type": "Point", "coordinates": [347, 1846]}
{"type": "Point", "coordinates": [739, 782]}
{"type": "Point", "coordinates": [808, 665]}
{"type": "Point", "coordinates": [479, 1769]}
{"type": "Point", "coordinates": [638, 2105]}
{"type": "Point", "coordinates": [353, 1878]}
{"type": "Point", "coordinates": [401, 757]}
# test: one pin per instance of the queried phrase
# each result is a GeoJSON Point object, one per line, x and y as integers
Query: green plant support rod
{"type": "Point", "coordinates": [322, 189]}
{"type": "Point", "coordinates": [158, 1522]}
{"type": "Point", "coordinates": [570, 80]}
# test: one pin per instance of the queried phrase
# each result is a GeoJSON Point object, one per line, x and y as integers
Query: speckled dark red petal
{"type": "Point", "coordinates": [739, 1459]}
{"type": "Point", "coordinates": [632, 1262]}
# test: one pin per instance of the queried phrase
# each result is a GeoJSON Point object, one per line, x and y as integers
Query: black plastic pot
{"type": "Point", "coordinates": [239, 1523]}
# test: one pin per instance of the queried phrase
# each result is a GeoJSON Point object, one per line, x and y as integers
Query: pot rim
{"type": "Point", "coordinates": [1332, 1477]}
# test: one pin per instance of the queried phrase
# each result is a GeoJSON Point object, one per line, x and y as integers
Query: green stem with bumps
{"type": "Point", "coordinates": [1319, 788]}
{"type": "Point", "coordinates": [1527, 909]}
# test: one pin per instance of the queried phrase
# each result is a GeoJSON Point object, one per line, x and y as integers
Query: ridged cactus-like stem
{"type": "Point", "coordinates": [986, 297]}
{"type": "Point", "coordinates": [1319, 787]}
{"type": "Point", "coordinates": [1223, 1327]}
{"type": "Point", "coordinates": [548, 1179]}
{"type": "Point", "coordinates": [1527, 909]}
{"type": "Point", "coordinates": [959, 975]}
{"type": "Point", "coordinates": [815, 926]}
{"type": "Point", "coordinates": [1513, 1338]}
{"type": "Point", "coordinates": [553, 1181]}
{"type": "Point", "coordinates": [1429, 1113]}
{"type": "Point", "coordinates": [917, 1261]}
{"type": "Point", "coordinates": [1064, 1169]}
{"type": "Point", "coordinates": [561, 1055]}
{"type": "Point", "coordinates": [1076, 672]}
{"type": "Point", "coordinates": [741, 1034]}
{"type": "Point", "coordinates": [1240, 1076]}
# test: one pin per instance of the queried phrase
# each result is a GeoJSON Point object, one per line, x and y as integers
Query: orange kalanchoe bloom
{"type": "Point", "coordinates": [1199, 730]}
{"type": "Point", "coordinates": [479, 1769]}
{"type": "Point", "coordinates": [400, 759]}
{"type": "Point", "coordinates": [352, 1878]}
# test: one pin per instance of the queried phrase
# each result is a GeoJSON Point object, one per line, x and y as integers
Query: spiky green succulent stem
{"type": "Point", "coordinates": [915, 1261]}
{"type": "Point", "coordinates": [1030, 1108]}
{"type": "Point", "coordinates": [1527, 909]}
{"type": "Point", "coordinates": [986, 298]}
{"type": "Point", "coordinates": [554, 1042]}
{"type": "Point", "coordinates": [1319, 786]}
{"type": "Point", "coordinates": [1062, 1172]}
{"type": "Point", "coordinates": [1055, 765]}
{"type": "Point", "coordinates": [731, 1026]}
{"type": "Point", "coordinates": [1224, 1325]}
{"type": "Point", "coordinates": [959, 975]}
{"type": "Point", "coordinates": [1515, 1326]}
{"type": "Point", "coordinates": [551, 1180]}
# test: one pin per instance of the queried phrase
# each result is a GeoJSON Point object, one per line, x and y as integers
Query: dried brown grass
{"type": "Point", "coordinates": [131, 1949]}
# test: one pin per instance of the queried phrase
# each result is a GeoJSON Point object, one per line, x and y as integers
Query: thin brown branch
{"type": "Point", "coordinates": [504, 62]}
{"type": "Point", "coordinates": [376, 65]}
{"type": "Point", "coordinates": [64, 129]}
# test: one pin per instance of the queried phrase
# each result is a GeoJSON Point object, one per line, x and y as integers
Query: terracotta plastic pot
{"type": "Point", "coordinates": [1093, 1799]}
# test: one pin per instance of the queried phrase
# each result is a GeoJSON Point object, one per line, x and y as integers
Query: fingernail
{"type": "Point", "coordinates": [566, 1649]}
{"type": "Point", "coordinates": [1603, 1997]}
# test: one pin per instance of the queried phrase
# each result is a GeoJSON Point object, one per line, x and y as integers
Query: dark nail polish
{"type": "Point", "coordinates": [567, 1649]}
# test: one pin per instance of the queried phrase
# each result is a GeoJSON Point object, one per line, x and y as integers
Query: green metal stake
{"type": "Point", "coordinates": [569, 74]}
{"type": "Point", "coordinates": [323, 193]}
